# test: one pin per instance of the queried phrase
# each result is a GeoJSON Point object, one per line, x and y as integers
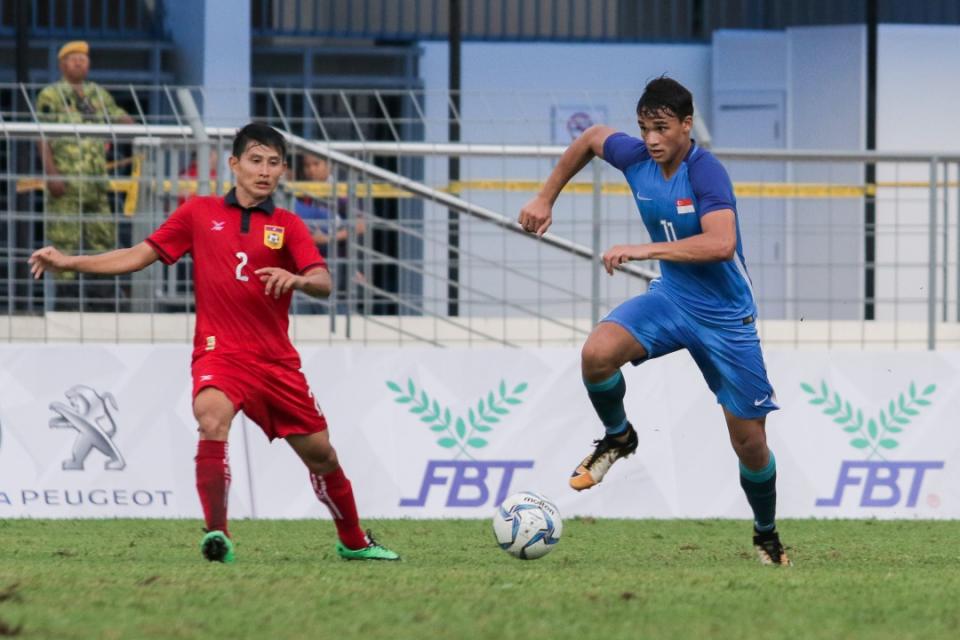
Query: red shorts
{"type": "Point", "coordinates": [274, 395]}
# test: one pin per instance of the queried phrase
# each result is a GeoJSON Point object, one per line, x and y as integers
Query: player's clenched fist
{"type": "Point", "coordinates": [536, 216]}
{"type": "Point", "coordinates": [277, 281]}
{"type": "Point", "coordinates": [47, 258]}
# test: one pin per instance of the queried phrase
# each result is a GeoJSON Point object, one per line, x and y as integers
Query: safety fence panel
{"type": "Point", "coordinates": [835, 260]}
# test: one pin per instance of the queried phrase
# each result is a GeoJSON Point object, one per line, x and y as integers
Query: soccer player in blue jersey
{"type": "Point", "coordinates": [703, 302]}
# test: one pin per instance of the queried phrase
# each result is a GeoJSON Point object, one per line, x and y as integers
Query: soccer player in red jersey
{"type": "Point", "coordinates": [249, 256]}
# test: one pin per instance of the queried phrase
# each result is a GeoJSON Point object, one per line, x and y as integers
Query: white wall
{"type": "Point", "coordinates": [510, 90]}
{"type": "Point", "coordinates": [213, 52]}
{"type": "Point", "coordinates": [749, 111]}
{"type": "Point", "coordinates": [918, 89]}
{"type": "Point", "coordinates": [749, 61]}
{"type": "Point", "coordinates": [826, 70]}
{"type": "Point", "coordinates": [509, 93]}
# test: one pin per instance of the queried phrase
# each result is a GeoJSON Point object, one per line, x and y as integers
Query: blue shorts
{"type": "Point", "coordinates": [729, 356]}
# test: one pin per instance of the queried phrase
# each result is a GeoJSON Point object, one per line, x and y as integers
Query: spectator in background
{"type": "Point", "coordinates": [76, 169]}
{"type": "Point", "coordinates": [330, 229]}
{"type": "Point", "coordinates": [191, 173]}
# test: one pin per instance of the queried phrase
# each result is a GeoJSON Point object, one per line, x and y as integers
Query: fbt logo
{"type": "Point", "coordinates": [884, 483]}
{"type": "Point", "coordinates": [877, 483]}
{"type": "Point", "coordinates": [467, 482]}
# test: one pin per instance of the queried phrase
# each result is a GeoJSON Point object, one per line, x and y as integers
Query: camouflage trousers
{"type": "Point", "coordinates": [66, 228]}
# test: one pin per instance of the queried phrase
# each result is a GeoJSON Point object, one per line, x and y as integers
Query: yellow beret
{"type": "Point", "coordinates": [75, 46]}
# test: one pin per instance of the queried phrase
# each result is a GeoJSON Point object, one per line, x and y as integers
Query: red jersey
{"type": "Point", "coordinates": [229, 243]}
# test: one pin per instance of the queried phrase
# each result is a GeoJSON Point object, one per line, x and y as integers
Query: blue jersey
{"type": "Point", "coordinates": [316, 214]}
{"type": "Point", "coordinates": [671, 210]}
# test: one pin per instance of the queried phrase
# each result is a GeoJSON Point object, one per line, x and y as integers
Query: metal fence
{"type": "Point", "coordinates": [489, 20]}
{"type": "Point", "coordinates": [86, 18]}
{"type": "Point", "coordinates": [835, 262]}
{"type": "Point", "coordinates": [572, 20]}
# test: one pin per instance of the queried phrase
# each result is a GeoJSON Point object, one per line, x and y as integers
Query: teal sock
{"type": "Point", "coordinates": [607, 398]}
{"type": "Point", "coordinates": [761, 489]}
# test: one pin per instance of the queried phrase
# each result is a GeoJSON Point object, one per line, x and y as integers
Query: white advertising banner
{"type": "Point", "coordinates": [107, 431]}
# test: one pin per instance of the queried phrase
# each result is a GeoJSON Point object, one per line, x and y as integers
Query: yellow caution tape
{"type": "Point", "coordinates": [777, 190]}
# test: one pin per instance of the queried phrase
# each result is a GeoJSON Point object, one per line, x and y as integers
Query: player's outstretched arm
{"type": "Point", "coordinates": [277, 281]}
{"type": "Point", "coordinates": [537, 215]}
{"type": "Point", "coordinates": [110, 263]}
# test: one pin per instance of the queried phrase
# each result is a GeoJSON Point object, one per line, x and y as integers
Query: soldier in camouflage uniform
{"type": "Point", "coordinates": [76, 168]}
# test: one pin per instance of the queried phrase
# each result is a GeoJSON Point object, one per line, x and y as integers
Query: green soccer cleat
{"type": "Point", "coordinates": [372, 551]}
{"type": "Point", "coordinates": [217, 547]}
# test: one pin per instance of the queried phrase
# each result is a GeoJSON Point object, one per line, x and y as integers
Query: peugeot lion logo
{"type": "Point", "coordinates": [89, 413]}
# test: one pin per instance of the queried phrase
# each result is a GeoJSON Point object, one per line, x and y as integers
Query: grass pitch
{"type": "Point", "coordinates": [606, 579]}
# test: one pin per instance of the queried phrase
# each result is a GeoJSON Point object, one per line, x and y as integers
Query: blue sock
{"type": "Point", "coordinates": [761, 489]}
{"type": "Point", "coordinates": [607, 398]}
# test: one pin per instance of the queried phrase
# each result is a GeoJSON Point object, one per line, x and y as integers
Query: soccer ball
{"type": "Point", "coordinates": [527, 525]}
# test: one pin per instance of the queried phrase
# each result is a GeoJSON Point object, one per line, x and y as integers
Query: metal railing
{"type": "Point", "coordinates": [802, 217]}
{"type": "Point", "coordinates": [571, 20]}
{"type": "Point", "coordinates": [428, 19]}
{"type": "Point", "coordinates": [367, 115]}
{"type": "Point", "coordinates": [158, 184]}
{"type": "Point", "coordinates": [489, 20]}
{"type": "Point", "coordinates": [122, 19]}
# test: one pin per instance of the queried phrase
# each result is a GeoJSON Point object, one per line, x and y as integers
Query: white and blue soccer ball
{"type": "Point", "coordinates": [527, 525]}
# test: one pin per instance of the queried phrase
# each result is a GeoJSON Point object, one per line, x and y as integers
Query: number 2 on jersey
{"type": "Point", "coordinates": [669, 231]}
{"type": "Point", "coordinates": [242, 257]}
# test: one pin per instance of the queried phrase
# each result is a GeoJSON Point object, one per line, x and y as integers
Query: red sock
{"type": "Point", "coordinates": [213, 483]}
{"type": "Point", "coordinates": [334, 490]}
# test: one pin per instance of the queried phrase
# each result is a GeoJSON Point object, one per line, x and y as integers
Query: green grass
{"type": "Point", "coordinates": [606, 579]}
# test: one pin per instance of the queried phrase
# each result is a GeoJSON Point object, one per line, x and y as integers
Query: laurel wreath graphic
{"type": "Point", "coordinates": [875, 434]}
{"type": "Point", "coordinates": [454, 431]}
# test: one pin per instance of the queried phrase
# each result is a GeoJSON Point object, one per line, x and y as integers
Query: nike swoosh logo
{"type": "Point", "coordinates": [640, 197]}
{"type": "Point", "coordinates": [759, 402]}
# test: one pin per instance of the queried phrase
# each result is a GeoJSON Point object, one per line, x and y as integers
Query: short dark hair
{"type": "Point", "coordinates": [260, 133]}
{"type": "Point", "coordinates": [665, 95]}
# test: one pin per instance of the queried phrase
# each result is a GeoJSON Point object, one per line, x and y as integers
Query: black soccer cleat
{"type": "Point", "coordinates": [607, 450]}
{"type": "Point", "coordinates": [769, 549]}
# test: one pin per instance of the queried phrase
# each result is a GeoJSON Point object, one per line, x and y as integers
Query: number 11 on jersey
{"type": "Point", "coordinates": [669, 231]}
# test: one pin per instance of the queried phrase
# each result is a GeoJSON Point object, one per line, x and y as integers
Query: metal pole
{"type": "Point", "coordinates": [453, 164]}
{"type": "Point", "coordinates": [333, 204]}
{"type": "Point", "coordinates": [21, 52]}
{"type": "Point", "coordinates": [192, 115]}
{"type": "Point", "coordinates": [870, 174]}
{"type": "Point", "coordinates": [348, 266]}
{"type": "Point", "coordinates": [246, 453]}
{"type": "Point", "coordinates": [367, 245]}
{"type": "Point", "coordinates": [11, 288]}
{"type": "Point", "coordinates": [595, 268]}
{"type": "Point", "coordinates": [946, 237]}
{"type": "Point", "coordinates": [932, 271]}
{"type": "Point", "coordinates": [169, 168]}
{"type": "Point", "coordinates": [18, 234]}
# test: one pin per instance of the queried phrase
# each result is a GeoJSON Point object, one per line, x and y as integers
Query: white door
{"type": "Point", "coordinates": [755, 120]}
